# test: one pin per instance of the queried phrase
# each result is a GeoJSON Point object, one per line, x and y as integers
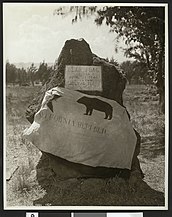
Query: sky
{"type": "Point", "coordinates": [33, 34]}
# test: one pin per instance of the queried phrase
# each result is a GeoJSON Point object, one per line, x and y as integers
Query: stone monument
{"type": "Point", "coordinates": [100, 137]}
{"type": "Point", "coordinates": [90, 134]}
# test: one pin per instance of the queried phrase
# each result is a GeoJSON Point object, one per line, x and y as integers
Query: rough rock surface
{"type": "Point", "coordinates": [78, 52]}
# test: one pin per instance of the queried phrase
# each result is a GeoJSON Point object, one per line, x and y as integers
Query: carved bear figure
{"type": "Point", "coordinates": [97, 104]}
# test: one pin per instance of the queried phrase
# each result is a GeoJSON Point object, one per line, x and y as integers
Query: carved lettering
{"type": "Point", "coordinates": [83, 78]}
{"type": "Point", "coordinates": [75, 123]}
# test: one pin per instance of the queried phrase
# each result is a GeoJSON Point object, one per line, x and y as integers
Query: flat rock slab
{"type": "Point", "coordinates": [89, 130]}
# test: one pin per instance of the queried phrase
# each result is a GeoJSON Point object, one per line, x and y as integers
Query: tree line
{"type": "Point", "coordinates": [136, 73]}
{"type": "Point", "coordinates": [29, 76]}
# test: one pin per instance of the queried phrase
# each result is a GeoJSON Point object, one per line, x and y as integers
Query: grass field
{"type": "Point", "coordinates": [22, 187]}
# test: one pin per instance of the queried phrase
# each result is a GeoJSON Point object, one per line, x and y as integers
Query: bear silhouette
{"type": "Point", "coordinates": [97, 104]}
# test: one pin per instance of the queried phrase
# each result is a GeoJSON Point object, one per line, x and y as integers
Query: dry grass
{"type": "Point", "coordinates": [150, 123]}
{"type": "Point", "coordinates": [23, 188]}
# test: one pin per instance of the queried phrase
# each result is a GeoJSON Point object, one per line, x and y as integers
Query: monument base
{"type": "Point", "coordinates": [64, 169]}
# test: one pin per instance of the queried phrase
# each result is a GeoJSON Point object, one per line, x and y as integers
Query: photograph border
{"type": "Point", "coordinates": [99, 208]}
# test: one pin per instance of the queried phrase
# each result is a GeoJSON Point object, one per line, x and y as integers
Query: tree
{"type": "Point", "coordinates": [10, 73]}
{"type": "Point", "coordinates": [31, 73]}
{"type": "Point", "coordinates": [43, 72]}
{"type": "Point", "coordinates": [21, 76]}
{"type": "Point", "coordinates": [136, 72]}
{"type": "Point", "coordinates": [107, 59]}
{"type": "Point", "coordinates": [142, 29]}
{"type": "Point", "coordinates": [112, 60]}
{"type": "Point", "coordinates": [127, 66]}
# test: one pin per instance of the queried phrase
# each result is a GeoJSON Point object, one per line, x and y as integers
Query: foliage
{"type": "Point", "coordinates": [80, 11]}
{"type": "Point", "coordinates": [43, 72]}
{"type": "Point", "coordinates": [112, 60]}
{"type": "Point", "coordinates": [10, 72]}
{"type": "Point", "coordinates": [31, 72]}
{"type": "Point", "coordinates": [136, 72]}
{"type": "Point", "coordinates": [23, 77]}
{"type": "Point", "coordinates": [142, 29]}
{"type": "Point", "coordinates": [15, 75]}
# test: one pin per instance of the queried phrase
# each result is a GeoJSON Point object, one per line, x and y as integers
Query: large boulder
{"type": "Point", "coordinates": [78, 52]}
{"type": "Point", "coordinates": [102, 138]}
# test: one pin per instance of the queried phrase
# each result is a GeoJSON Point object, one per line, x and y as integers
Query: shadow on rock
{"type": "Point", "coordinates": [65, 190]}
